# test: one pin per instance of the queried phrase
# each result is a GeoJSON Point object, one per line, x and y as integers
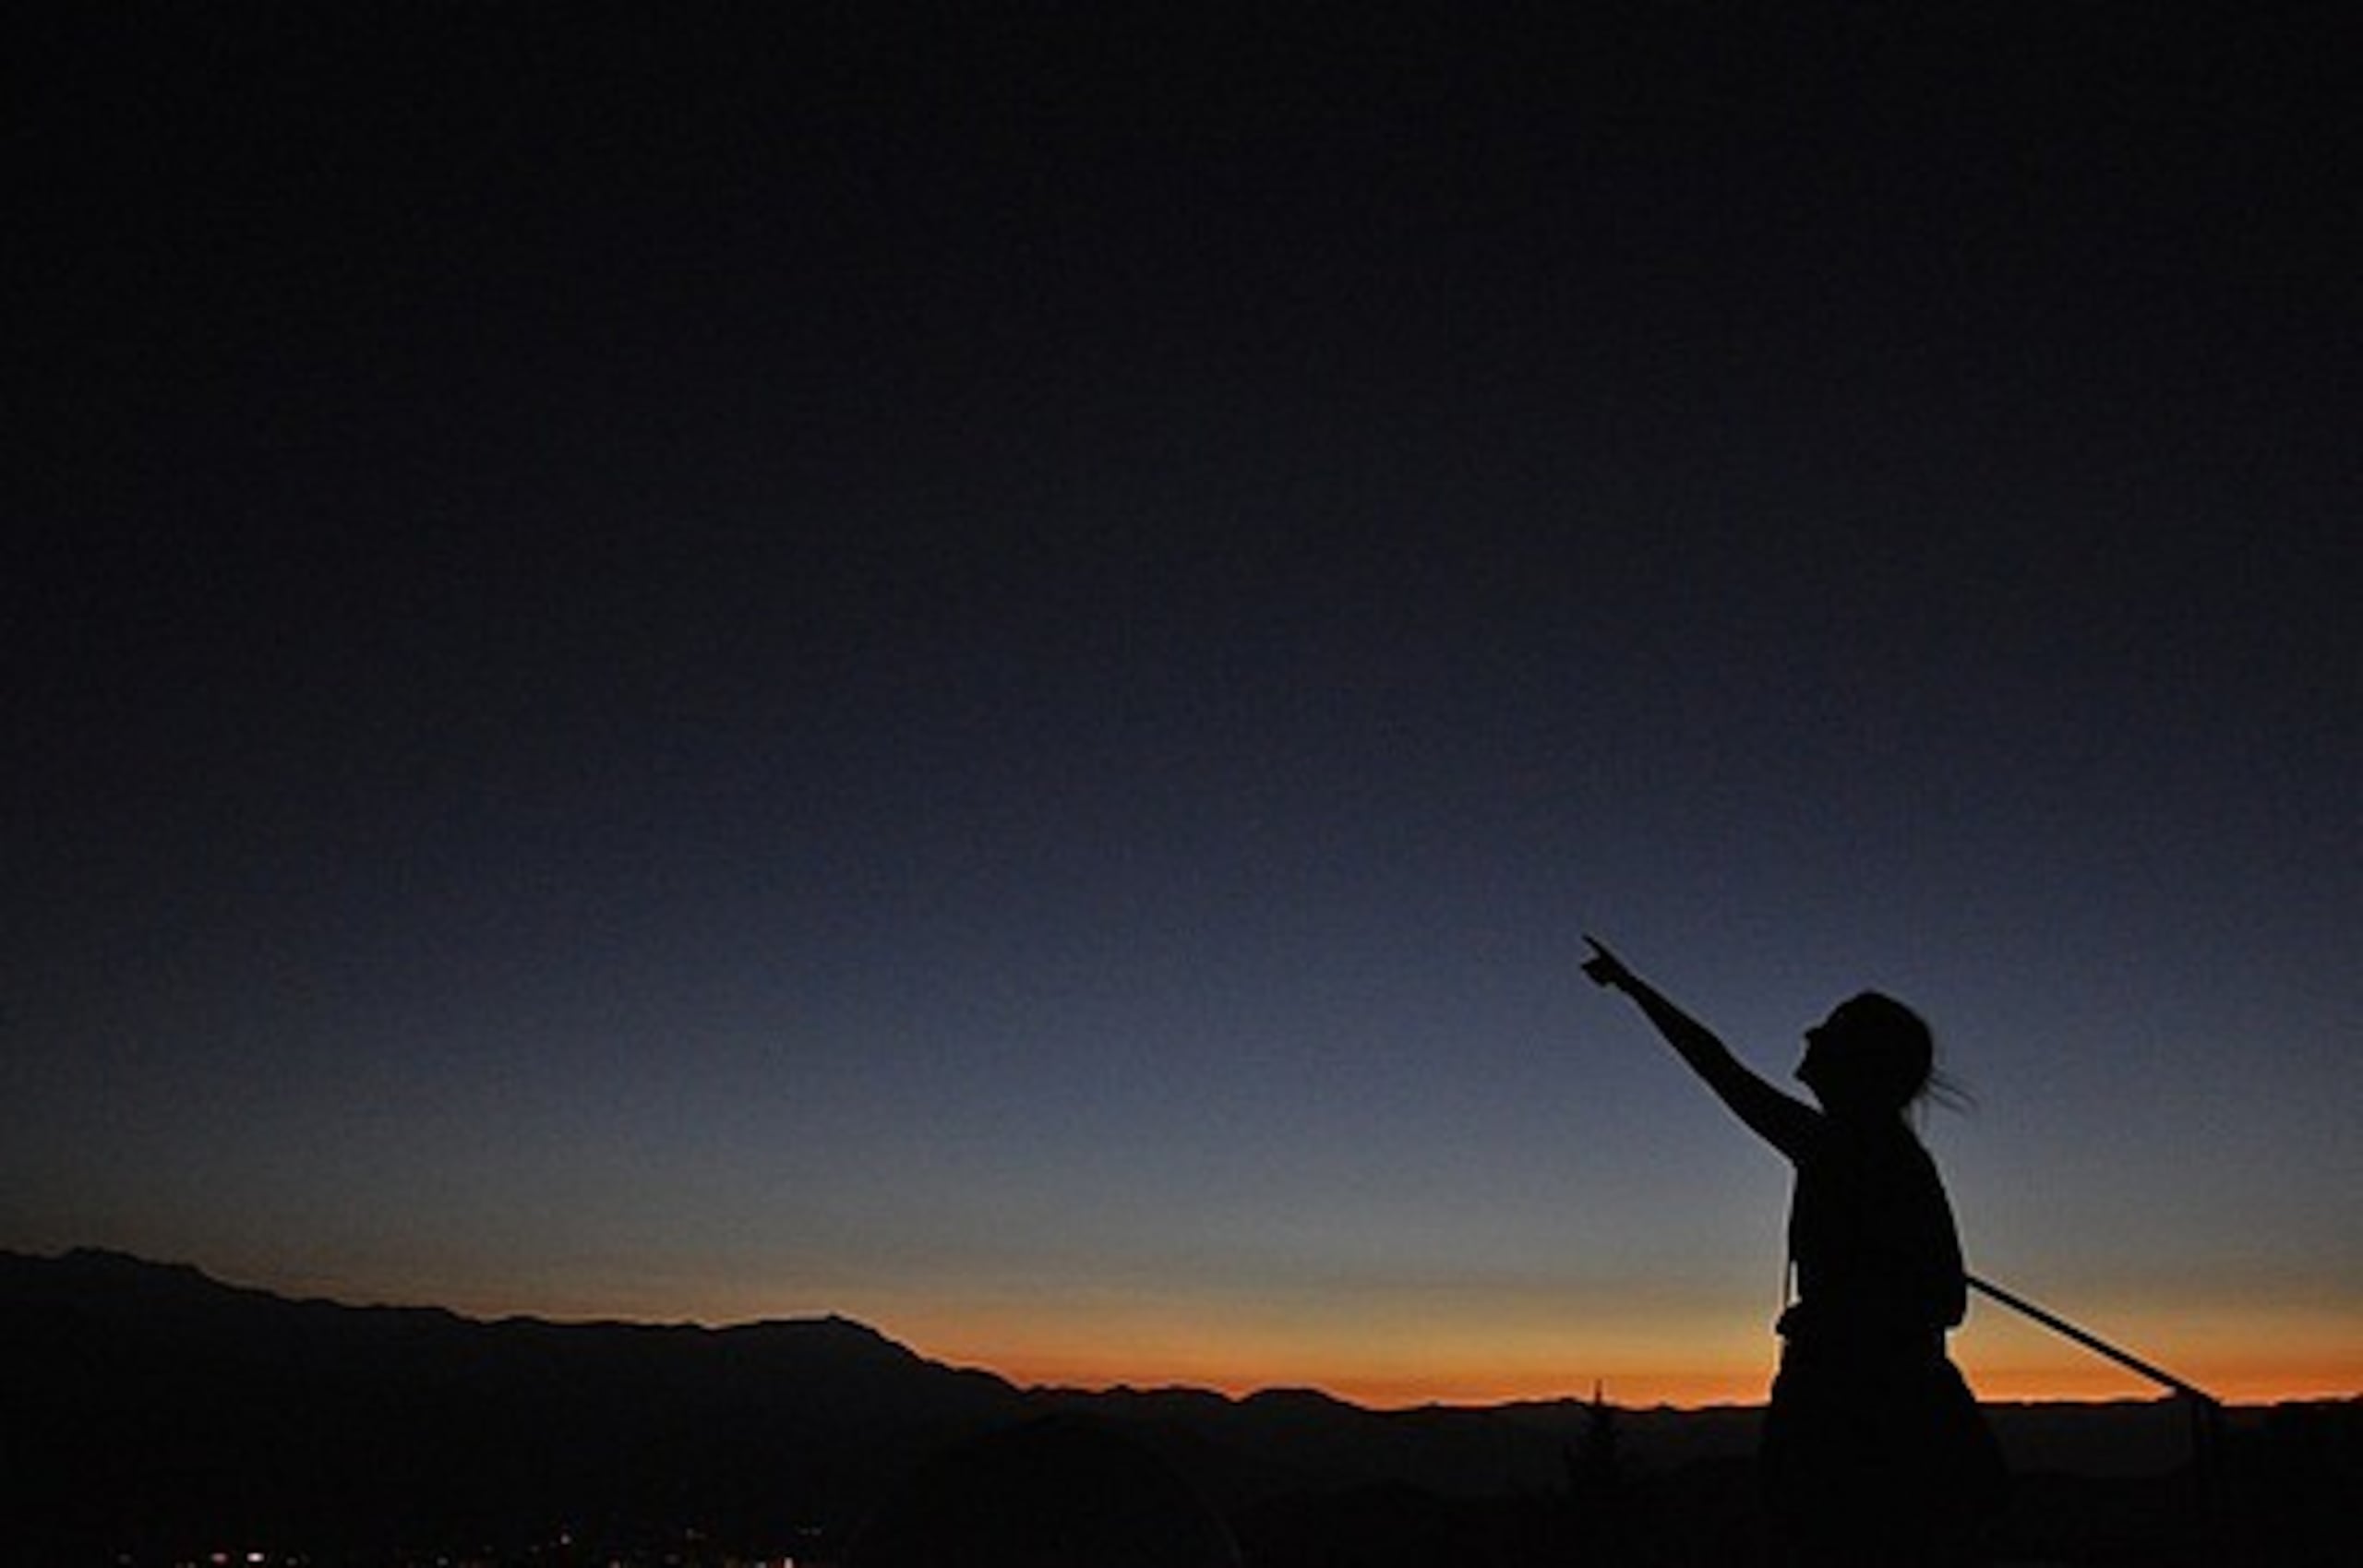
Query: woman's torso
{"type": "Point", "coordinates": [1871, 1236]}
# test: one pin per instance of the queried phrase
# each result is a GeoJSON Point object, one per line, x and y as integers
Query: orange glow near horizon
{"type": "Point", "coordinates": [1386, 1387]}
{"type": "Point", "coordinates": [2241, 1353]}
{"type": "Point", "coordinates": [1397, 1355]}
{"type": "Point", "coordinates": [1636, 1387]}
{"type": "Point", "coordinates": [1673, 1358]}
{"type": "Point", "coordinates": [1482, 1352]}
{"type": "Point", "coordinates": [1709, 1370]}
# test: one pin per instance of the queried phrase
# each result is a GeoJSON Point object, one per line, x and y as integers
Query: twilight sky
{"type": "Point", "coordinates": [689, 664]}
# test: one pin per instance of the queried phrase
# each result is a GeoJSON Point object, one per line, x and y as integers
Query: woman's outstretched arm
{"type": "Point", "coordinates": [1781, 1120]}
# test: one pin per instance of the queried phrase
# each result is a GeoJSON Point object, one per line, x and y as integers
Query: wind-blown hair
{"type": "Point", "coordinates": [1900, 1054]}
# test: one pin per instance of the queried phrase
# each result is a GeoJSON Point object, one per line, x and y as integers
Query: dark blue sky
{"type": "Point", "coordinates": [981, 674]}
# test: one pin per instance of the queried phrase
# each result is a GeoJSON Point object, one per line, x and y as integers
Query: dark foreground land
{"type": "Point", "coordinates": [154, 1415]}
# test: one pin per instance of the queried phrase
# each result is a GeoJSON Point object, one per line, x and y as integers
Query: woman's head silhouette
{"type": "Point", "coordinates": [1872, 1056]}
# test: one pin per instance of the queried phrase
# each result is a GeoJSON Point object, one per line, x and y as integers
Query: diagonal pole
{"type": "Point", "coordinates": [2206, 1410]}
{"type": "Point", "coordinates": [2095, 1342]}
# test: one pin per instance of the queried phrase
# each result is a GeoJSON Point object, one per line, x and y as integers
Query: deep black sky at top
{"type": "Point", "coordinates": [351, 339]}
{"type": "Point", "coordinates": [505, 489]}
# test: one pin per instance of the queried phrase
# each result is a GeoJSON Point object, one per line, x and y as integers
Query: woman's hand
{"type": "Point", "coordinates": [1605, 968]}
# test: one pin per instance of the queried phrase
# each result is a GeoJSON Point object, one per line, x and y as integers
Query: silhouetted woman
{"type": "Point", "coordinates": [1874, 1451]}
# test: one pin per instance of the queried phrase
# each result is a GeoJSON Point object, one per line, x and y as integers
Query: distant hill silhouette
{"type": "Point", "coordinates": [153, 1410]}
{"type": "Point", "coordinates": [151, 1406]}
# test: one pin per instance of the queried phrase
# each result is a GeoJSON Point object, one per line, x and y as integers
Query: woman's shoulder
{"type": "Point", "coordinates": [1881, 1145]}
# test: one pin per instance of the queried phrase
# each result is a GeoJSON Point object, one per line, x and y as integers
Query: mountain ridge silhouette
{"type": "Point", "coordinates": [152, 1407]}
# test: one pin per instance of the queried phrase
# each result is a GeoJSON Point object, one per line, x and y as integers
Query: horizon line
{"type": "Point", "coordinates": [1378, 1393]}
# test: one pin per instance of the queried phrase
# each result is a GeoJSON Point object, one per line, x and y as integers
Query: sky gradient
{"type": "Point", "coordinates": [983, 677]}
